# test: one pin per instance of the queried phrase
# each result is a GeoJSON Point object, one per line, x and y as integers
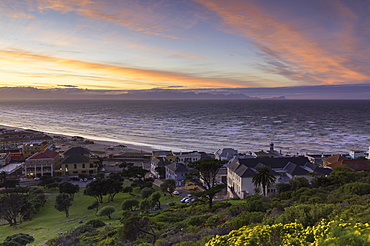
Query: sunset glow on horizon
{"type": "Point", "coordinates": [189, 44]}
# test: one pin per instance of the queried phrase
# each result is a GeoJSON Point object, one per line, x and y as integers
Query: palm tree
{"type": "Point", "coordinates": [263, 177]}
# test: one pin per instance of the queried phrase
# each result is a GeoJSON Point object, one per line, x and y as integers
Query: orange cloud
{"type": "Point", "coordinates": [119, 76]}
{"type": "Point", "coordinates": [298, 54]}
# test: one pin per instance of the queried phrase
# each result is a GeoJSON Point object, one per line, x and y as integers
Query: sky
{"type": "Point", "coordinates": [184, 44]}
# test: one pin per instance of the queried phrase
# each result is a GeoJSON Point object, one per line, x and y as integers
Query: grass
{"type": "Point", "coordinates": [49, 221]}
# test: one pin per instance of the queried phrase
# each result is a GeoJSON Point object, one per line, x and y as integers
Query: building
{"type": "Point", "coordinates": [354, 154]}
{"type": "Point", "coordinates": [332, 159]}
{"type": "Point", "coordinates": [76, 161]}
{"type": "Point", "coordinates": [157, 167]}
{"type": "Point", "coordinates": [177, 172]}
{"type": "Point", "coordinates": [40, 164]}
{"type": "Point", "coordinates": [29, 149]}
{"type": "Point", "coordinates": [240, 173]}
{"type": "Point", "coordinates": [11, 140]}
{"type": "Point", "coordinates": [4, 159]}
{"type": "Point", "coordinates": [168, 155]}
{"type": "Point", "coordinates": [271, 153]}
{"type": "Point", "coordinates": [354, 165]}
{"type": "Point", "coordinates": [187, 157]}
{"type": "Point", "coordinates": [225, 154]}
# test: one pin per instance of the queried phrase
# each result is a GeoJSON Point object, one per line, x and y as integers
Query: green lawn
{"type": "Point", "coordinates": [50, 221]}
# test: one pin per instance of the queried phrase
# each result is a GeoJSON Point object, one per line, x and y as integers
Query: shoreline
{"type": "Point", "coordinates": [98, 146]}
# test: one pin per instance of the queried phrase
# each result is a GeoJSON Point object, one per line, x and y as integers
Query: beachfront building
{"type": "Point", "coordinates": [29, 149]}
{"type": "Point", "coordinates": [157, 167]}
{"type": "Point", "coordinates": [187, 157]}
{"type": "Point", "coordinates": [177, 172]}
{"type": "Point", "coordinates": [240, 173]}
{"type": "Point", "coordinates": [11, 140]}
{"type": "Point", "coordinates": [271, 153]}
{"type": "Point", "coordinates": [76, 162]}
{"type": "Point", "coordinates": [332, 159]}
{"type": "Point", "coordinates": [4, 159]}
{"type": "Point", "coordinates": [354, 154]}
{"type": "Point", "coordinates": [168, 155]}
{"type": "Point", "coordinates": [40, 164]}
{"type": "Point", "coordinates": [225, 154]}
{"type": "Point", "coordinates": [355, 165]}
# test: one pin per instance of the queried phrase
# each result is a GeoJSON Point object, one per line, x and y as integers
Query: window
{"type": "Point", "coordinates": [83, 165]}
{"type": "Point", "coordinates": [75, 166]}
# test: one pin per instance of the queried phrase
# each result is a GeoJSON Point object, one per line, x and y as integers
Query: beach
{"type": "Point", "coordinates": [98, 147]}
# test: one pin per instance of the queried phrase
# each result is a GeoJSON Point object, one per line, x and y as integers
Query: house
{"type": "Point", "coordinates": [316, 158]}
{"type": "Point", "coordinates": [4, 159]}
{"type": "Point", "coordinates": [332, 159]}
{"type": "Point", "coordinates": [168, 155]}
{"type": "Point", "coordinates": [225, 154]}
{"type": "Point", "coordinates": [187, 157]}
{"type": "Point", "coordinates": [76, 161]}
{"type": "Point", "coordinates": [14, 139]}
{"type": "Point", "coordinates": [42, 163]}
{"type": "Point", "coordinates": [157, 167]}
{"type": "Point", "coordinates": [355, 165]}
{"type": "Point", "coordinates": [271, 153]}
{"type": "Point", "coordinates": [177, 172]}
{"type": "Point", "coordinates": [29, 149]}
{"type": "Point", "coordinates": [240, 173]}
{"type": "Point", "coordinates": [354, 154]}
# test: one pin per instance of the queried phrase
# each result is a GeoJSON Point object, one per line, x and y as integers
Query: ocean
{"type": "Point", "coordinates": [295, 126]}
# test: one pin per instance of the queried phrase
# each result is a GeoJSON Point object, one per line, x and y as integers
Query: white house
{"type": "Point", "coordinates": [240, 173]}
{"type": "Point", "coordinates": [187, 157]}
{"type": "Point", "coordinates": [354, 154]}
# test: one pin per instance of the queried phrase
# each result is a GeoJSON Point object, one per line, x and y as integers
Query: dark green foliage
{"type": "Point", "coordinates": [68, 188]}
{"type": "Point", "coordinates": [205, 178]}
{"type": "Point", "coordinates": [101, 187]}
{"type": "Point", "coordinates": [96, 223]}
{"type": "Point", "coordinates": [20, 239]}
{"type": "Point", "coordinates": [130, 171]}
{"type": "Point", "coordinates": [342, 175]}
{"type": "Point", "coordinates": [298, 183]}
{"type": "Point", "coordinates": [146, 192]}
{"type": "Point", "coordinates": [169, 185]}
{"type": "Point", "coordinates": [94, 205]}
{"type": "Point", "coordinates": [127, 189]}
{"type": "Point", "coordinates": [11, 206]}
{"type": "Point", "coordinates": [106, 211]}
{"type": "Point", "coordinates": [63, 203]}
{"type": "Point", "coordinates": [355, 188]}
{"type": "Point", "coordinates": [305, 214]}
{"type": "Point", "coordinates": [247, 218]}
{"type": "Point", "coordinates": [282, 187]}
{"type": "Point", "coordinates": [263, 177]}
{"type": "Point", "coordinates": [130, 204]}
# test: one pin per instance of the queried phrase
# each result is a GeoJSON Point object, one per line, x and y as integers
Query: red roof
{"type": "Point", "coordinates": [355, 165]}
{"type": "Point", "coordinates": [46, 154]}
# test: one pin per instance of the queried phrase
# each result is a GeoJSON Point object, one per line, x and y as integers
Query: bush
{"type": "Point", "coordinates": [247, 218]}
{"type": "Point", "coordinates": [96, 223]}
{"type": "Point", "coordinates": [146, 192]}
{"type": "Point", "coordinates": [106, 211]}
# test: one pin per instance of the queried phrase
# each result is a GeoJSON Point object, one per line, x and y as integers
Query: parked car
{"type": "Point", "coordinates": [185, 200]}
{"type": "Point", "coordinates": [176, 192]}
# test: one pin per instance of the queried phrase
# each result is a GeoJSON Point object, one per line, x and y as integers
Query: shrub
{"type": "Point", "coordinates": [96, 223]}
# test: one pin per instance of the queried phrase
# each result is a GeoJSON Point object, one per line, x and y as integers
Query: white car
{"type": "Point", "coordinates": [176, 192]}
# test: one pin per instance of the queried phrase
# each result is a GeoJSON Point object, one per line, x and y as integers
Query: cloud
{"type": "Point", "coordinates": [68, 86]}
{"type": "Point", "coordinates": [119, 76]}
{"type": "Point", "coordinates": [295, 53]}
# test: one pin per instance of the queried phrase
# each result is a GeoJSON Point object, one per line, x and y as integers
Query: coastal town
{"type": "Point", "coordinates": [27, 155]}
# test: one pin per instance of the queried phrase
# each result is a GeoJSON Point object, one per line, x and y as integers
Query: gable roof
{"type": "Point", "coordinates": [294, 169]}
{"type": "Point", "coordinates": [241, 170]}
{"type": "Point", "coordinates": [74, 159]}
{"type": "Point", "coordinates": [46, 154]}
{"type": "Point", "coordinates": [355, 165]}
{"type": "Point", "coordinates": [274, 162]}
{"type": "Point", "coordinates": [177, 168]}
{"type": "Point", "coordinates": [334, 158]}
{"type": "Point", "coordinates": [77, 150]}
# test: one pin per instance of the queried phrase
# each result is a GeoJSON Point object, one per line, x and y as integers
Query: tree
{"type": "Point", "coordinates": [20, 239]}
{"type": "Point", "coordinates": [146, 192]}
{"type": "Point", "coordinates": [128, 189]}
{"type": "Point", "coordinates": [154, 199]}
{"type": "Point", "coordinates": [94, 205]}
{"type": "Point", "coordinates": [263, 177]}
{"type": "Point", "coordinates": [134, 172]}
{"type": "Point", "coordinates": [130, 204]}
{"type": "Point", "coordinates": [106, 211]}
{"type": "Point", "coordinates": [134, 225]}
{"type": "Point", "coordinates": [113, 186]}
{"type": "Point", "coordinates": [63, 203]}
{"type": "Point", "coordinates": [205, 178]}
{"type": "Point", "coordinates": [11, 206]}
{"type": "Point", "coordinates": [96, 190]}
{"type": "Point", "coordinates": [68, 188]}
{"type": "Point", "coordinates": [169, 185]}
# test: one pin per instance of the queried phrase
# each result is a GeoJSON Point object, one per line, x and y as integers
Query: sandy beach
{"type": "Point", "coordinates": [99, 147]}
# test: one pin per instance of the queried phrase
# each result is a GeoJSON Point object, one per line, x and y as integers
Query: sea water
{"type": "Point", "coordinates": [295, 126]}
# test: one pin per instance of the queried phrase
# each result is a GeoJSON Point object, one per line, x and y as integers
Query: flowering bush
{"type": "Point", "coordinates": [325, 233]}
